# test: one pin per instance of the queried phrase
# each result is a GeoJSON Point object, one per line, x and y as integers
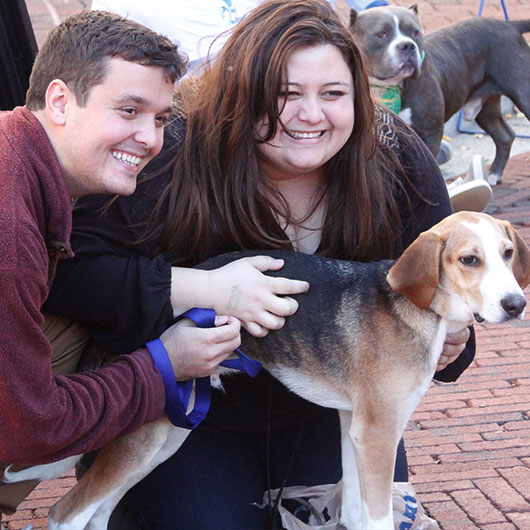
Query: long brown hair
{"type": "Point", "coordinates": [218, 195]}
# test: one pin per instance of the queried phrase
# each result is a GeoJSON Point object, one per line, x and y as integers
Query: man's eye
{"type": "Point", "coordinates": [130, 111]}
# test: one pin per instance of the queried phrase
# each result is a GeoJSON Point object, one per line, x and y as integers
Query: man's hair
{"type": "Point", "coordinates": [78, 49]}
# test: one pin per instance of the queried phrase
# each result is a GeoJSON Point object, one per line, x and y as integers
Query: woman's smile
{"type": "Point", "coordinates": [317, 116]}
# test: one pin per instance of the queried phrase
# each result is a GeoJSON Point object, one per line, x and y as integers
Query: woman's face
{"type": "Point", "coordinates": [318, 115]}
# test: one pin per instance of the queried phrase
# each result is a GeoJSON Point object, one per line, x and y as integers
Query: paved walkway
{"type": "Point", "coordinates": [468, 442]}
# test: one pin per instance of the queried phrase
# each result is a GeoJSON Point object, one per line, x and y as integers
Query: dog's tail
{"type": "Point", "coordinates": [522, 26]}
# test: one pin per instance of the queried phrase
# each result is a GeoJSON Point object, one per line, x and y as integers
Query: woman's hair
{"type": "Point", "coordinates": [218, 194]}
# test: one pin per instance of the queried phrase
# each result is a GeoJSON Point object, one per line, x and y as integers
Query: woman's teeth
{"type": "Point", "coordinates": [125, 157]}
{"type": "Point", "coordinates": [301, 135]}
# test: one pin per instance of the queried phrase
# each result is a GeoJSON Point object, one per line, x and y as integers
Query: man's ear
{"type": "Point", "coordinates": [58, 96]}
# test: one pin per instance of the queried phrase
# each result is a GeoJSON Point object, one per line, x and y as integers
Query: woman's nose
{"type": "Point", "coordinates": [311, 110]}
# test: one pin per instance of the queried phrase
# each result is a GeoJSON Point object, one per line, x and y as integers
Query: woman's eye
{"type": "Point", "coordinates": [288, 94]}
{"type": "Point", "coordinates": [335, 93]}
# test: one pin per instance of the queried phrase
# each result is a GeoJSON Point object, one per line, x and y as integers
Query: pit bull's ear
{"type": "Point", "coordinates": [353, 17]}
{"type": "Point", "coordinates": [414, 7]}
{"type": "Point", "coordinates": [521, 259]}
{"type": "Point", "coordinates": [416, 273]}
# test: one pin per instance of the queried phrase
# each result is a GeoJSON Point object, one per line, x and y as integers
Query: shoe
{"type": "Point", "coordinates": [472, 196]}
{"type": "Point", "coordinates": [478, 170]}
{"type": "Point", "coordinates": [445, 153]}
{"type": "Point", "coordinates": [471, 193]}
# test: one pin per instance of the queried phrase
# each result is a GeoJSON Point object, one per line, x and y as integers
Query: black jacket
{"type": "Point", "coordinates": [120, 292]}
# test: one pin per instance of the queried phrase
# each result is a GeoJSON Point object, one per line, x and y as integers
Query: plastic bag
{"type": "Point", "coordinates": [323, 503]}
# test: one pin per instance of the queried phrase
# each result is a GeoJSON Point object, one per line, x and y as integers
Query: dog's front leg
{"type": "Point", "coordinates": [119, 465]}
{"type": "Point", "coordinates": [351, 509]}
{"type": "Point", "coordinates": [372, 448]}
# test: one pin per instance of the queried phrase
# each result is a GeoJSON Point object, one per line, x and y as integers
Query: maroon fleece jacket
{"type": "Point", "coordinates": [45, 417]}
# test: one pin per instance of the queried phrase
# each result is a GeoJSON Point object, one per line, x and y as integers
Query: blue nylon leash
{"type": "Point", "coordinates": [178, 393]}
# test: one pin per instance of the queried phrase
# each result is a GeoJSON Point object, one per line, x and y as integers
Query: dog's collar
{"type": "Point", "coordinates": [391, 97]}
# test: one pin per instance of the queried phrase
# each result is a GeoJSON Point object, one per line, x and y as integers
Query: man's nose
{"type": "Point", "coordinates": [149, 134]}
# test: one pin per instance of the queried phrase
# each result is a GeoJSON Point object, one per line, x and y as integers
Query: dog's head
{"type": "Point", "coordinates": [391, 39]}
{"type": "Point", "coordinates": [469, 266]}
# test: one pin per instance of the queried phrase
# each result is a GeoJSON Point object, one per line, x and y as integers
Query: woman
{"type": "Point", "coordinates": [281, 147]}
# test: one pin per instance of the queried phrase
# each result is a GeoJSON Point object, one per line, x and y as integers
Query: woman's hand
{"type": "Point", "coordinates": [242, 290]}
{"type": "Point", "coordinates": [196, 352]}
{"type": "Point", "coordinates": [239, 289]}
{"type": "Point", "coordinates": [454, 345]}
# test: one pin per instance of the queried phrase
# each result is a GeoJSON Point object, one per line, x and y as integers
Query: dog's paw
{"type": "Point", "coordinates": [494, 179]}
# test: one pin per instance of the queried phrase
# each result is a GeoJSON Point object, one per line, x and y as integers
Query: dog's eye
{"type": "Point", "coordinates": [469, 260]}
{"type": "Point", "coordinates": [508, 253]}
{"type": "Point", "coordinates": [416, 33]}
{"type": "Point", "coordinates": [382, 35]}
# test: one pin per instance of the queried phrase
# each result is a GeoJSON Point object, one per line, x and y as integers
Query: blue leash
{"type": "Point", "coordinates": [178, 393]}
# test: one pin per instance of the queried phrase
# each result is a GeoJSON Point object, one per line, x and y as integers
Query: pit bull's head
{"type": "Point", "coordinates": [392, 41]}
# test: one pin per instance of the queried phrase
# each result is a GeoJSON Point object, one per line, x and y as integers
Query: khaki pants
{"type": "Point", "coordinates": [68, 339]}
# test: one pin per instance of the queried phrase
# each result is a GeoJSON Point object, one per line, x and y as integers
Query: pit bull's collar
{"type": "Point", "coordinates": [391, 97]}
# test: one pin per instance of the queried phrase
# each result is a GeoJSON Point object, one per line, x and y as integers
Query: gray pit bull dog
{"type": "Point", "coordinates": [466, 65]}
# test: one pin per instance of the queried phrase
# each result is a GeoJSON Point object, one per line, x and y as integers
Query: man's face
{"type": "Point", "coordinates": [106, 143]}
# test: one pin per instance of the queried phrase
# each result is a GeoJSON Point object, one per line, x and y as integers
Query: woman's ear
{"type": "Point", "coordinates": [58, 96]}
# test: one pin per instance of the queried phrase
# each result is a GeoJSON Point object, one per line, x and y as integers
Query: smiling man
{"type": "Point", "coordinates": [100, 94]}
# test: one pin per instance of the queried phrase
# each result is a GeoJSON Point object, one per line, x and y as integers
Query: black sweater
{"type": "Point", "coordinates": [121, 292]}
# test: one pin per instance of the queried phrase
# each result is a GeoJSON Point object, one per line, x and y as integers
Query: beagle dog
{"type": "Point", "coordinates": [365, 340]}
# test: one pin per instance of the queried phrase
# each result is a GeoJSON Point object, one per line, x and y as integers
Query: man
{"type": "Point", "coordinates": [100, 94]}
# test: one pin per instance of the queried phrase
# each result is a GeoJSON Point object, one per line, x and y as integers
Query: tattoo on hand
{"type": "Point", "coordinates": [235, 297]}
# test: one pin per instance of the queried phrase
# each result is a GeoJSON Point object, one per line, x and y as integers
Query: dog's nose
{"type": "Point", "coordinates": [513, 304]}
{"type": "Point", "coordinates": [408, 47]}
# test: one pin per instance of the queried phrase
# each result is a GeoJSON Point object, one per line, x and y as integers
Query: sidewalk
{"type": "Point", "coordinates": [469, 442]}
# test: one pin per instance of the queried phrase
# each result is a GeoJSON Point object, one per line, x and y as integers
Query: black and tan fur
{"type": "Point", "coordinates": [365, 340]}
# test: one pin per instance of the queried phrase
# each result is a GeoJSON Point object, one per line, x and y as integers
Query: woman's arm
{"type": "Point", "coordinates": [117, 291]}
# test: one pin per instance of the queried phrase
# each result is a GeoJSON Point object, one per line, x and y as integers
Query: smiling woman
{"type": "Point", "coordinates": [278, 145]}
{"type": "Point", "coordinates": [317, 114]}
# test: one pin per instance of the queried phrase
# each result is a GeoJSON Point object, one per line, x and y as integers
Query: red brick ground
{"type": "Point", "coordinates": [469, 442]}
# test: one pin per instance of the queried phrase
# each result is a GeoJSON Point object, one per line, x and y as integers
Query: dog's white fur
{"type": "Point", "coordinates": [469, 266]}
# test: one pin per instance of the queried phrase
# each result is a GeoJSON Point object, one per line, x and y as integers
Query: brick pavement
{"type": "Point", "coordinates": [468, 442]}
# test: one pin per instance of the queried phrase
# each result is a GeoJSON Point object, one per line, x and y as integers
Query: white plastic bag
{"type": "Point", "coordinates": [408, 512]}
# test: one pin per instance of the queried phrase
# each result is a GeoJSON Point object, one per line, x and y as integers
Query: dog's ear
{"type": "Point", "coordinates": [416, 273]}
{"type": "Point", "coordinates": [414, 7]}
{"type": "Point", "coordinates": [521, 260]}
{"type": "Point", "coordinates": [353, 17]}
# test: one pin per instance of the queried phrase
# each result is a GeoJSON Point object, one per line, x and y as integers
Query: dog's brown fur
{"type": "Point", "coordinates": [365, 340]}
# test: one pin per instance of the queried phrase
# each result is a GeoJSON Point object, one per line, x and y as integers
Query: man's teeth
{"type": "Point", "coordinates": [124, 157]}
{"type": "Point", "coordinates": [295, 134]}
